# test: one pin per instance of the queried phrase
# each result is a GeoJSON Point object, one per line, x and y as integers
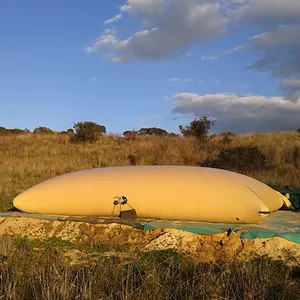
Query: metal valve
{"type": "Point", "coordinates": [122, 200]}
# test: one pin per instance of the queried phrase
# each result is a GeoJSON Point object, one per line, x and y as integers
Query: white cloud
{"type": "Point", "coordinates": [280, 49]}
{"type": "Point", "coordinates": [266, 13]}
{"type": "Point", "coordinates": [279, 42]}
{"type": "Point", "coordinates": [241, 114]}
{"type": "Point", "coordinates": [280, 55]}
{"type": "Point", "coordinates": [174, 25]}
{"type": "Point", "coordinates": [291, 88]}
{"type": "Point", "coordinates": [291, 83]}
{"type": "Point", "coordinates": [235, 49]}
{"type": "Point", "coordinates": [113, 20]}
{"type": "Point", "coordinates": [107, 40]}
{"type": "Point", "coordinates": [169, 27]}
{"type": "Point", "coordinates": [228, 52]}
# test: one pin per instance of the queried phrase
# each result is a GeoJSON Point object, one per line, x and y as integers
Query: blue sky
{"type": "Point", "coordinates": [159, 63]}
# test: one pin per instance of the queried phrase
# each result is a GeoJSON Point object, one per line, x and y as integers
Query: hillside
{"type": "Point", "coordinates": [28, 159]}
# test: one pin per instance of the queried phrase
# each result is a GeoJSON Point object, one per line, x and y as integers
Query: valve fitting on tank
{"type": "Point", "coordinates": [122, 200]}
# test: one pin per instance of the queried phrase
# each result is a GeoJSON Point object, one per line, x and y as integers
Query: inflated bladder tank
{"type": "Point", "coordinates": [155, 192]}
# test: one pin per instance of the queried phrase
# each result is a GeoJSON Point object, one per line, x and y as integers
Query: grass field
{"type": "Point", "coordinates": [42, 270]}
{"type": "Point", "coordinates": [28, 159]}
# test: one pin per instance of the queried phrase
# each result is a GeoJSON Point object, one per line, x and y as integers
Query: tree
{"type": "Point", "coordinates": [152, 131]}
{"type": "Point", "coordinates": [87, 132]}
{"type": "Point", "coordinates": [198, 127]}
{"type": "Point", "coordinates": [130, 133]}
{"type": "Point", "coordinates": [43, 130]}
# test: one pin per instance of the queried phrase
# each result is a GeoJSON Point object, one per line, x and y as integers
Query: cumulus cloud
{"type": "Point", "coordinates": [268, 13]}
{"type": "Point", "coordinates": [279, 43]}
{"type": "Point", "coordinates": [240, 114]}
{"type": "Point", "coordinates": [291, 87]}
{"type": "Point", "coordinates": [168, 28]}
{"type": "Point", "coordinates": [280, 51]}
{"type": "Point", "coordinates": [171, 27]}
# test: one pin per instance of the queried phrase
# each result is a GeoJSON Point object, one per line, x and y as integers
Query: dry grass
{"type": "Point", "coordinates": [28, 159]}
{"type": "Point", "coordinates": [41, 271]}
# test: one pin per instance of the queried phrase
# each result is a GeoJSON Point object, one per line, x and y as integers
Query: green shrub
{"type": "Point", "coordinates": [15, 131]}
{"type": "Point", "coordinates": [240, 159]}
{"type": "Point", "coordinates": [42, 130]}
{"type": "Point", "coordinates": [130, 134]}
{"type": "Point", "coordinates": [198, 127]}
{"type": "Point", "coordinates": [87, 132]}
{"type": "Point", "coordinates": [152, 131]}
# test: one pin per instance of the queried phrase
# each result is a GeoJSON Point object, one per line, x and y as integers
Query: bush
{"type": "Point", "coordinates": [240, 159]}
{"type": "Point", "coordinates": [130, 134]}
{"type": "Point", "coordinates": [198, 128]}
{"type": "Point", "coordinates": [152, 131]}
{"type": "Point", "coordinates": [15, 131]}
{"type": "Point", "coordinates": [42, 130]}
{"type": "Point", "coordinates": [87, 132]}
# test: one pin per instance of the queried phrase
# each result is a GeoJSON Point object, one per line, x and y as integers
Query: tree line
{"type": "Point", "coordinates": [91, 131]}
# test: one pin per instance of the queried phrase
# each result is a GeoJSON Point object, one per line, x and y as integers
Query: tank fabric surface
{"type": "Point", "coordinates": [154, 192]}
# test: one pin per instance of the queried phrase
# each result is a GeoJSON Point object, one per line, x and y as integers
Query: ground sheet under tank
{"type": "Point", "coordinates": [285, 224]}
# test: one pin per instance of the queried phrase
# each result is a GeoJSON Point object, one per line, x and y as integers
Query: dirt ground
{"type": "Point", "coordinates": [205, 248]}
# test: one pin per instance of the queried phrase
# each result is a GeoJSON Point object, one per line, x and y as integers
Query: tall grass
{"type": "Point", "coordinates": [30, 273]}
{"type": "Point", "coordinates": [28, 159]}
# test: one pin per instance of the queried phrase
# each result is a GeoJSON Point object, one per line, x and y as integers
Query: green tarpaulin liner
{"type": "Point", "coordinates": [284, 224]}
{"type": "Point", "coordinates": [291, 193]}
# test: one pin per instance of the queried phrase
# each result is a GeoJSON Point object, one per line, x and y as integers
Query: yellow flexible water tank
{"type": "Point", "coordinates": [158, 192]}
